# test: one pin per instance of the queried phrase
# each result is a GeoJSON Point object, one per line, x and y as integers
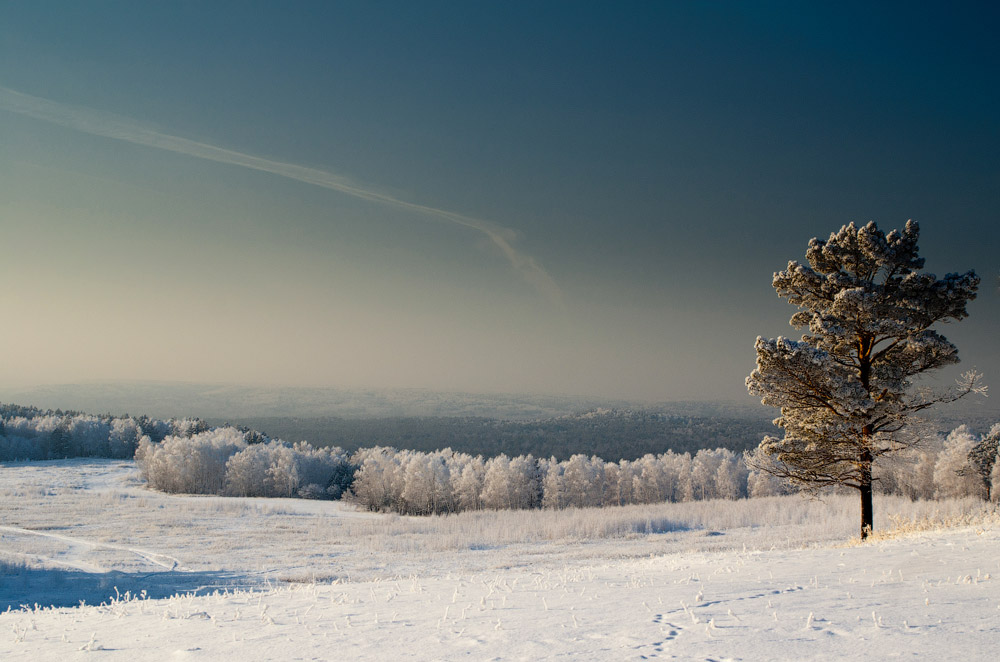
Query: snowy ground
{"type": "Point", "coordinates": [747, 580]}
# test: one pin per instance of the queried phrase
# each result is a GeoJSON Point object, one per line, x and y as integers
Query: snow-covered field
{"type": "Point", "coordinates": [292, 579]}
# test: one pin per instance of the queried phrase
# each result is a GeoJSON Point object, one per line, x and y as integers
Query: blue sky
{"type": "Point", "coordinates": [606, 188]}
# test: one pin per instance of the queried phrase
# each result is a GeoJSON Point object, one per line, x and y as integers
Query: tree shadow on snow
{"type": "Point", "coordinates": [22, 586]}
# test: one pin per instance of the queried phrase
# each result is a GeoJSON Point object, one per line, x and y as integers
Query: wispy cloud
{"type": "Point", "coordinates": [109, 125]}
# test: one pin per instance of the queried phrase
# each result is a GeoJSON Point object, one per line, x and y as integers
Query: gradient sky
{"type": "Point", "coordinates": [558, 197]}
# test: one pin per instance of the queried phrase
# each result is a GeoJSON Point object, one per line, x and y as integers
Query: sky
{"type": "Point", "coordinates": [575, 198]}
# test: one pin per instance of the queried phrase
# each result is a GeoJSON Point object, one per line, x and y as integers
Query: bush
{"type": "Point", "coordinates": [220, 461]}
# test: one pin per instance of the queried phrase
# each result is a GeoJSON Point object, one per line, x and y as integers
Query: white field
{"type": "Point", "coordinates": [276, 579]}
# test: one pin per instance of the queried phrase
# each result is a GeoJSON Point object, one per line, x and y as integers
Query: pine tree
{"type": "Point", "coordinates": [845, 389]}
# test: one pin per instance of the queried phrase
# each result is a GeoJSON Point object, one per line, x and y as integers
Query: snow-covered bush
{"type": "Point", "coordinates": [378, 482]}
{"type": "Point", "coordinates": [762, 484]}
{"type": "Point", "coordinates": [427, 484]}
{"type": "Point", "coordinates": [512, 483]}
{"type": "Point", "coordinates": [467, 483]}
{"type": "Point", "coordinates": [189, 465]}
{"type": "Point", "coordinates": [220, 461]}
{"type": "Point", "coordinates": [246, 471]}
{"type": "Point", "coordinates": [952, 474]}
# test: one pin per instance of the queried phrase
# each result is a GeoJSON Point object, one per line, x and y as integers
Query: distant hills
{"type": "Point", "coordinates": [487, 424]}
{"type": "Point", "coordinates": [212, 401]}
{"type": "Point", "coordinates": [618, 434]}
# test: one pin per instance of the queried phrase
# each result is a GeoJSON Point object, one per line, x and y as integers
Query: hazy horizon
{"type": "Point", "coordinates": [558, 199]}
{"type": "Point", "coordinates": [218, 401]}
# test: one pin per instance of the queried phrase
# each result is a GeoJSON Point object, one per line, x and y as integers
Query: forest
{"type": "Point", "coordinates": [611, 433]}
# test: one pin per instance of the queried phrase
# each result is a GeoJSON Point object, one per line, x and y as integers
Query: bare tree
{"type": "Point", "coordinates": [845, 389]}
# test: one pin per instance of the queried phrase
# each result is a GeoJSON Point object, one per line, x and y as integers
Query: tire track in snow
{"type": "Point", "coordinates": [75, 564]}
{"type": "Point", "coordinates": [163, 560]}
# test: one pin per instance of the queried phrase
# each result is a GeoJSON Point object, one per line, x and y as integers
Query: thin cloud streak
{"type": "Point", "coordinates": [109, 125]}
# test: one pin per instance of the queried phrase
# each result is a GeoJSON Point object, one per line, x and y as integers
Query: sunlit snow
{"type": "Point", "coordinates": [293, 579]}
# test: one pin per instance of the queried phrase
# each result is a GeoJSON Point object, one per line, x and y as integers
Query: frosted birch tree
{"type": "Point", "coordinates": [846, 388]}
{"type": "Point", "coordinates": [952, 475]}
{"type": "Point", "coordinates": [983, 458]}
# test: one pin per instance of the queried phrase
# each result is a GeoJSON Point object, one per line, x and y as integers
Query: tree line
{"type": "Point", "coordinates": [187, 456]}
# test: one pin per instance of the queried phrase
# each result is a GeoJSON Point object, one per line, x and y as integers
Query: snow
{"type": "Point", "coordinates": [389, 587]}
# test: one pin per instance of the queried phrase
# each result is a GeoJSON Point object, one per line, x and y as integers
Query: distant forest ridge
{"type": "Point", "coordinates": [222, 401]}
{"type": "Point", "coordinates": [419, 420]}
{"type": "Point", "coordinates": [620, 434]}
{"type": "Point", "coordinates": [28, 432]}
{"type": "Point", "coordinates": [606, 433]}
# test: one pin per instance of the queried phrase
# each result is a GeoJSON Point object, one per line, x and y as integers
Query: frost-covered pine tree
{"type": "Point", "coordinates": [845, 389]}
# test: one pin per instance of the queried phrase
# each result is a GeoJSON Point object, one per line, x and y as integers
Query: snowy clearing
{"type": "Point", "coordinates": [763, 579]}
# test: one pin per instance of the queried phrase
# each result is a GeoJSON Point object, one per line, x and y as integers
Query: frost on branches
{"type": "Point", "coordinates": [981, 462]}
{"type": "Point", "coordinates": [844, 389]}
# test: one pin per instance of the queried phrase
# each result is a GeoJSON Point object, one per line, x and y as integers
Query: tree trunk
{"type": "Point", "coordinates": [865, 346]}
{"type": "Point", "coordinates": [867, 504]}
{"type": "Point", "coordinates": [867, 511]}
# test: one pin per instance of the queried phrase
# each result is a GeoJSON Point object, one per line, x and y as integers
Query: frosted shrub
{"type": "Point", "coordinates": [328, 468]}
{"type": "Point", "coordinates": [378, 483]}
{"type": "Point", "coordinates": [578, 482]}
{"type": "Point", "coordinates": [190, 465]}
{"type": "Point", "coordinates": [512, 483]}
{"type": "Point", "coordinates": [651, 479]}
{"type": "Point", "coordinates": [552, 486]}
{"type": "Point", "coordinates": [427, 484]}
{"type": "Point", "coordinates": [619, 480]}
{"type": "Point", "coordinates": [467, 484]}
{"type": "Point", "coordinates": [246, 472]}
{"type": "Point", "coordinates": [995, 479]}
{"type": "Point", "coordinates": [283, 471]}
{"type": "Point", "coordinates": [730, 476]}
{"type": "Point", "coordinates": [762, 484]}
{"type": "Point", "coordinates": [911, 472]}
{"type": "Point", "coordinates": [704, 468]}
{"type": "Point", "coordinates": [951, 473]}
{"type": "Point", "coordinates": [584, 480]}
{"type": "Point", "coordinates": [220, 461]}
